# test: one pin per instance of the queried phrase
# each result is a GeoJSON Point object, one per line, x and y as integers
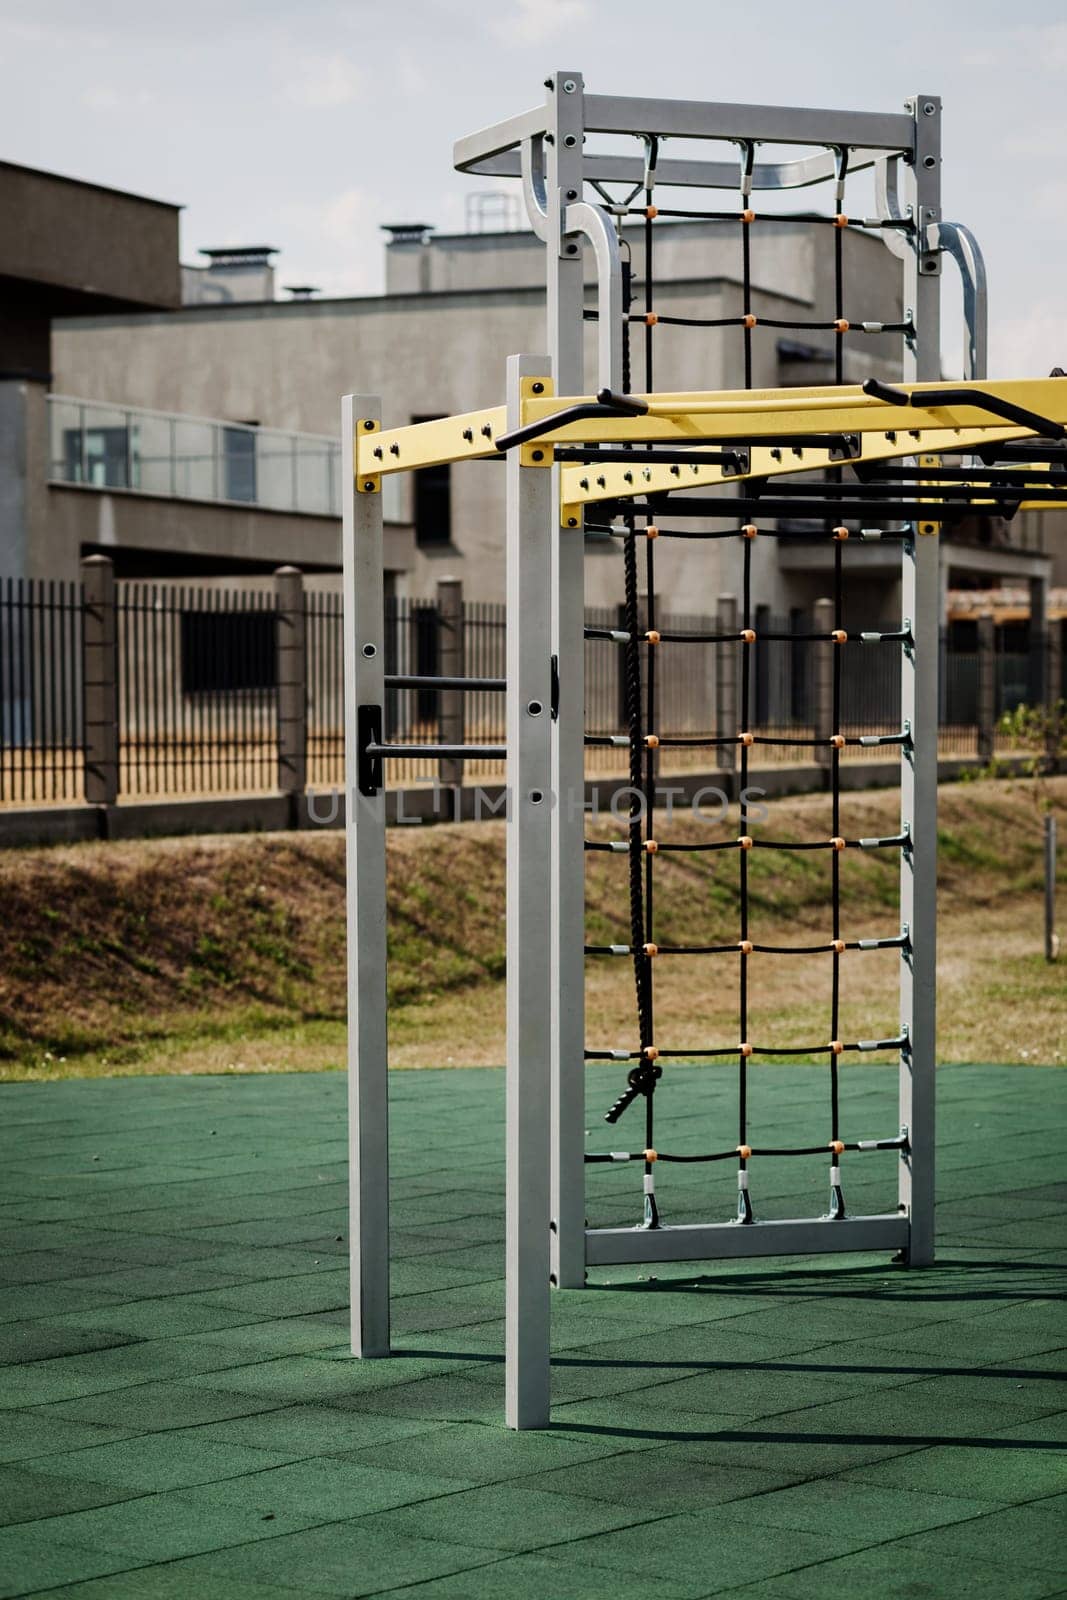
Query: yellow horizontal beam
{"type": "Point", "coordinates": [429, 444]}
{"type": "Point", "coordinates": [585, 484]}
{"type": "Point", "coordinates": [727, 415]}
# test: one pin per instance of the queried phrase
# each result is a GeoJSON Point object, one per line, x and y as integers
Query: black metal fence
{"type": "Point", "coordinates": [197, 681]}
{"type": "Point", "coordinates": [41, 722]}
{"type": "Point", "coordinates": [195, 686]}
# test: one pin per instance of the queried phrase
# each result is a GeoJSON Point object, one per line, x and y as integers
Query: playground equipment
{"type": "Point", "coordinates": [628, 463]}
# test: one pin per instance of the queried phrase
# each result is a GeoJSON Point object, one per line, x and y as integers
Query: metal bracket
{"type": "Point", "coordinates": [366, 482]}
{"type": "Point", "coordinates": [369, 773]}
{"type": "Point", "coordinates": [960, 243]}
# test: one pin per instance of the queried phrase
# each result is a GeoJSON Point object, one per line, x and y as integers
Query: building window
{"type": "Point", "coordinates": [227, 650]}
{"type": "Point", "coordinates": [239, 464]}
{"type": "Point", "coordinates": [101, 457]}
{"type": "Point", "coordinates": [433, 502]}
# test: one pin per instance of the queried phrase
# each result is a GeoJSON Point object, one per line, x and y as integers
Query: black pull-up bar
{"type": "Point", "coordinates": [606, 404]}
{"type": "Point", "coordinates": [967, 397]}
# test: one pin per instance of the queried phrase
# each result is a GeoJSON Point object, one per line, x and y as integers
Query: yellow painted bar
{"type": "Point", "coordinates": [584, 485]}
{"type": "Point", "coordinates": [427, 444]}
{"type": "Point", "coordinates": [726, 415]}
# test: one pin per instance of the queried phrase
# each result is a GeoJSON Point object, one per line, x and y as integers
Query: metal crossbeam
{"type": "Point", "coordinates": [712, 416]}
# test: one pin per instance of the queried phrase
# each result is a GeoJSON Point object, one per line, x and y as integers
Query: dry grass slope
{"type": "Point", "coordinates": [227, 954]}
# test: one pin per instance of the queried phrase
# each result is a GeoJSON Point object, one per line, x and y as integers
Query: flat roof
{"type": "Point", "coordinates": [84, 183]}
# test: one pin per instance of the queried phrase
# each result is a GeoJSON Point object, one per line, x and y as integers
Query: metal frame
{"type": "Point", "coordinates": [547, 1239]}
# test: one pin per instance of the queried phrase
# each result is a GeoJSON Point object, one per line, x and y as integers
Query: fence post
{"type": "Point", "coordinates": [987, 687]}
{"type": "Point", "coordinates": [1054, 689]}
{"type": "Point", "coordinates": [291, 655]}
{"type": "Point", "coordinates": [728, 713]}
{"type": "Point", "coordinates": [824, 681]}
{"type": "Point", "coordinates": [451, 703]}
{"type": "Point", "coordinates": [100, 676]}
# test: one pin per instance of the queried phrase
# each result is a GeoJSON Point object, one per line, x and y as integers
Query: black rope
{"type": "Point", "coordinates": [815, 513]}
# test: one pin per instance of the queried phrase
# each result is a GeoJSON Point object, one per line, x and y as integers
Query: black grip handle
{"type": "Point", "coordinates": [640, 1080]}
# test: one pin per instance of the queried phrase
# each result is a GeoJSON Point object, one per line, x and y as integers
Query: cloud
{"type": "Point", "coordinates": [537, 21]}
{"type": "Point", "coordinates": [349, 217]}
{"type": "Point", "coordinates": [1041, 49]}
{"type": "Point", "coordinates": [1030, 345]}
{"type": "Point", "coordinates": [323, 82]}
{"type": "Point", "coordinates": [101, 97]}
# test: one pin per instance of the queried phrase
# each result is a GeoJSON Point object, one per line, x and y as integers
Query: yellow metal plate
{"type": "Point", "coordinates": [426, 444]}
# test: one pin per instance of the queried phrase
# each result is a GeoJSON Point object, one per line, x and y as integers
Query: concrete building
{"type": "Point", "coordinates": [201, 438]}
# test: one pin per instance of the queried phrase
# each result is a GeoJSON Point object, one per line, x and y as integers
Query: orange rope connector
{"type": "Point", "coordinates": [748, 216]}
{"type": "Point", "coordinates": [841, 325]}
{"type": "Point", "coordinates": [840, 533]}
{"type": "Point", "coordinates": [651, 741]}
{"type": "Point", "coordinates": [749, 530]}
{"type": "Point", "coordinates": [837, 843]}
{"type": "Point", "coordinates": [744, 1049]}
{"type": "Point", "coordinates": [651, 1155]}
{"type": "Point", "coordinates": [651, 211]}
{"type": "Point", "coordinates": [650, 1052]}
{"type": "Point", "coordinates": [745, 947]}
{"type": "Point", "coordinates": [745, 842]}
{"type": "Point", "coordinates": [837, 1146]}
{"type": "Point", "coordinates": [838, 946]}
{"type": "Point", "coordinates": [746, 738]}
{"type": "Point", "coordinates": [840, 221]}
{"type": "Point", "coordinates": [744, 1151]}
{"type": "Point", "coordinates": [651, 846]}
{"type": "Point", "coordinates": [835, 1047]}
{"type": "Point", "coordinates": [839, 636]}
{"type": "Point", "coordinates": [651, 950]}
{"type": "Point", "coordinates": [837, 741]}
{"type": "Point", "coordinates": [748, 635]}
{"type": "Point", "coordinates": [652, 532]}
{"type": "Point", "coordinates": [748, 320]}
{"type": "Point", "coordinates": [651, 318]}
{"type": "Point", "coordinates": [652, 637]}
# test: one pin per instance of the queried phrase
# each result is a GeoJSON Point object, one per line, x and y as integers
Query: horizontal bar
{"type": "Point", "coordinates": [501, 136]}
{"type": "Point", "coordinates": [718, 415]}
{"type": "Point", "coordinates": [700, 119]}
{"type": "Point", "coordinates": [716, 1241]}
{"type": "Point", "coordinates": [780, 505]}
{"type": "Point", "coordinates": [766, 175]}
{"type": "Point", "coordinates": [407, 680]}
{"type": "Point", "coordinates": [458, 752]}
{"type": "Point", "coordinates": [898, 1141]}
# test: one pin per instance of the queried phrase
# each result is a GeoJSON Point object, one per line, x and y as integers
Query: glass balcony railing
{"type": "Point", "coordinates": [102, 446]}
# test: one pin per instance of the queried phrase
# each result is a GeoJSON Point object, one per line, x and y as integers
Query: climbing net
{"type": "Point", "coordinates": [641, 642]}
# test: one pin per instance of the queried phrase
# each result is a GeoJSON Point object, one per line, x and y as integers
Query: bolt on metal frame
{"type": "Point", "coordinates": [546, 1234]}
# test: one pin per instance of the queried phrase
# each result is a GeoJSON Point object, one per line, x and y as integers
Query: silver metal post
{"type": "Point", "coordinates": [368, 1089]}
{"type": "Point", "coordinates": [529, 921]}
{"type": "Point", "coordinates": [921, 601]}
{"type": "Point", "coordinates": [565, 341]}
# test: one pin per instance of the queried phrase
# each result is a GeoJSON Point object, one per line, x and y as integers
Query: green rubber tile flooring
{"type": "Point", "coordinates": [180, 1416]}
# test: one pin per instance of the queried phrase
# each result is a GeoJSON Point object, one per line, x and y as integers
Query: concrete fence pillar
{"type": "Point", "coordinates": [986, 668]}
{"type": "Point", "coordinates": [291, 656]}
{"type": "Point", "coordinates": [1054, 688]}
{"type": "Point", "coordinates": [823, 681]}
{"type": "Point", "coordinates": [100, 676]}
{"type": "Point", "coordinates": [451, 655]}
{"type": "Point", "coordinates": [1038, 690]}
{"type": "Point", "coordinates": [728, 709]}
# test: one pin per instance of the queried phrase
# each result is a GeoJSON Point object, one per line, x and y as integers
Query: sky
{"type": "Point", "coordinates": [309, 124]}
